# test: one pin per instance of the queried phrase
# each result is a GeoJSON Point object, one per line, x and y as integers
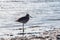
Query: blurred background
{"type": "Point", "coordinates": [45, 13]}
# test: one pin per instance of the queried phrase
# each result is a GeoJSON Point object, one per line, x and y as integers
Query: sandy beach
{"type": "Point", "coordinates": [46, 35]}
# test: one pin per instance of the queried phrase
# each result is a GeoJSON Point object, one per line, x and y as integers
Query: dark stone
{"type": "Point", "coordinates": [11, 35]}
{"type": "Point", "coordinates": [58, 37]}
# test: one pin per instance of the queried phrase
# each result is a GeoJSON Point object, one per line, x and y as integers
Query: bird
{"type": "Point", "coordinates": [24, 20]}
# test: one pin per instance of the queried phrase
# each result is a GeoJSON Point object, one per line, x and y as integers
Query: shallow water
{"type": "Point", "coordinates": [44, 13]}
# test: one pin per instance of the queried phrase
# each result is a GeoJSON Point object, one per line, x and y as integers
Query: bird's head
{"type": "Point", "coordinates": [28, 15]}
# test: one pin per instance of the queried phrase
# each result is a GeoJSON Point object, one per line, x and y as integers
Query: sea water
{"type": "Point", "coordinates": [45, 13]}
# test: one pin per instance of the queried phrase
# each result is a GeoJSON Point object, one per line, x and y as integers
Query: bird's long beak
{"type": "Point", "coordinates": [31, 17]}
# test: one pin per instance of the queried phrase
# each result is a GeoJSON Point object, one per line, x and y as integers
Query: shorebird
{"type": "Point", "coordinates": [24, 20]}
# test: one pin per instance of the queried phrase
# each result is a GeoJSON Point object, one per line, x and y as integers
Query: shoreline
{"type": "Point", "coordinates": [47, 35]}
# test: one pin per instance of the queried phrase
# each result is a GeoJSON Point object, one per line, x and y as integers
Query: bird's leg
{"type": "Point", "coordinates": [23, 29]}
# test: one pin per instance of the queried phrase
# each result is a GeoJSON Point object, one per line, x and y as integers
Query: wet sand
{"type": "Point", "coordinates": [47, 35]}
